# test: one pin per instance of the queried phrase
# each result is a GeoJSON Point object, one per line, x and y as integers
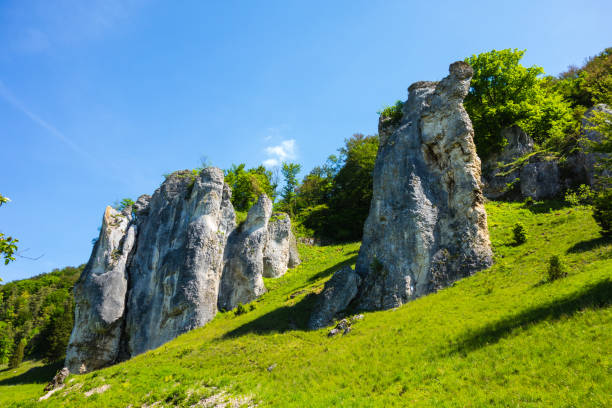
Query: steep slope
{"type": "Point", "coordinates": [502, 337]}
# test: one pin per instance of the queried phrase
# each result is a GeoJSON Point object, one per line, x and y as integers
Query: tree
{"type": "Point", "coordinates": [601, 122]}
{"type": "Point", "coordinates": [316, 187]}
{"type": "Point", "coordinates": [504, 93]}
{"type": "Point", "coordinates": [351, 194]}
{"type": "Point", "coordinates": [8, 245]}
{"type": "Point", "coordinates": [290, 172]}
{"type": "Point", "coordinates": [17, 356]}
{"type": "Point", "coordinates": [248, 185]}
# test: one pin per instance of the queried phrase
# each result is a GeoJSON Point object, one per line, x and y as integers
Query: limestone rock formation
{"type": "Point", "coordinates": [335, 297]}
{"type": "Point", "coordinates": [100, 295]}
{"type": "Point", "coordinates": [244, 264]}
{"type": "Point", "coordinates": [427, 225]}
{"type": "Point", "coordinates": [495, 176]}
{"type": "Point", "coordinates": [584, 163]}
{"type": "Point", "coordinates": [176, 269]}
{"type": "Point", "coordinates": [281, 247]}
{"type": "Point", "coordinates": [157, 267]}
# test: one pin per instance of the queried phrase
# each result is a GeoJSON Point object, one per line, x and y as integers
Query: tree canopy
{"type": "Point", "coordinates": [505, 93]}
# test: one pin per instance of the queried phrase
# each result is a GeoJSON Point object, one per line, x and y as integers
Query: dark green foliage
{"type": "Point", "coordinates": [18, 353]}
{"type": "Point", "coordinates": [333, 201]}
{"type": "Point", "coordinates": [290, 172]}
{"type": "Point", "coordinates": [123, 204]}
{"type": "Point", "coordinates": [587, 85]}
{"type": "Point", "coordinates": [556, 268]}
{"type": "Point", "coordinates": [520, 233]}
{"type": "Point", "coordinates": [394, 112]}
{"type": "Point", "coordinates": [349, 203]}
{"type": "Point", "coordinates": [38, 311]}
{"type": "Point", "coordinates": [8, 245]}
{"type": "Point", "coordinates": [240, 310]}
{"type": "Point", "coordinates": [602, 211]}
{"type": "Point", "coordinates": [248, 185]}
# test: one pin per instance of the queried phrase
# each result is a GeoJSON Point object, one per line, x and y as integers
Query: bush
{"type": "Point", "coordinates": [583, 195]}
{"type": "Point", "coordinates": [520, 233]}
{"type": "Point", "coordinates": [602, 211]}
{"type": "Point", "coordinates": [556, 268]}
{"type": "Point", "coordinates": [394, 112]}
{"type": "Point", "coordinates": [240, 309]}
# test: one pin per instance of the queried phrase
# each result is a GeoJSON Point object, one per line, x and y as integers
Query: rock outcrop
{"type": "Point", "coordinates": [498, 180]}
{"type": "Point", "coordinates": [100, 295]}
{"type": "Point", "coordinates": [281, 248]}
{"type": "Point", "coordinates": [427, 225]}
{"type": "Point", "coordinates": [244, 265]}
{"type": "Point", "coordinates": [335, 297]}
{"type": "Point", "coordinates": [156, 269]}
{"type": "Point", "coordinates": [176, 269]}
{"type": "Point", "coordinates": [539, 176]}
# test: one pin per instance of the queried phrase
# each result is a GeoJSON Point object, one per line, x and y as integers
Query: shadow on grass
{"type": "Point", "coordinates": [547, 206]}
{"type": "Point", "coordinates": [280, 320]}
{"type": "Point", "coordinates": [329, 271]}
{"type": "Point", "coordinates": [595, 296]}
{"type": "Point", "coordinates": [589, 245]}
{"type": "Point", "coordinates": [35, 375]}
{"type": "Point", "coordinates": [292, 317]}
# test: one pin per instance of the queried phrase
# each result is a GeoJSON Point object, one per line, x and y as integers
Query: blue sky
{"type": "Point", "coordinates": [98, 99]}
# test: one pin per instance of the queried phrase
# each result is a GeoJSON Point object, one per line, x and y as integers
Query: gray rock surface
{"type": "Point", "coordinates": [281, 248]}
{"type": "Point", "coordinates": [100, 295]}
{"type": "Point", "coordinates": [540, 179]}
{"type": "Point", "coordinates": [495, 177]}
{"type": "Point", "coordinates": [338, 292]}
{"type": "Point", "coordinates": [176, 269]}
{"type": "Point", "coordinates": [427, 225]}
{"type": "Point", "coordinates": [242, 279]}
{"type": "Point", "coordinates": [586, 161]}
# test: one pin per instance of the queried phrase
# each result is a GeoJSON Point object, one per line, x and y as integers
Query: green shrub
{"type": "Point", "coordinates": [240, 309]}
{"type": "Point", "coordinates": [602, 211]}
{"type": "Point", "coordinates": [556, 268]}
{"type": "Point", "coordinates": [583, 195]}
{"type": "Point", "coordinates": [394, 111]}
{"type": "Point", "coordinates": [528, 201]}
{"type": "Point", "coordinates": [520, 233]}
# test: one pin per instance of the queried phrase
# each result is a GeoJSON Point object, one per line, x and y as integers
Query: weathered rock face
{"type": "Point", "coordinates": [176, 269]}
{"type": "Point", "coordinates": [242, 279]}
{"type": "Point", "coordinates": [495, 179]}
{"type": "Point", "coordinates": [585, 162]}
{"type": "Point", "coordinates": [427, 225]}
{"type": "Point", "coordinates": [336, 296]}
{"type": "Point", "coordinates": [281, 247]}
{"type": "Point", "coordinates": [156, 274]}
{"type": "Point", "coordinates": [100, 295]}
{"type": "Point", "coordinates": [540, 177]}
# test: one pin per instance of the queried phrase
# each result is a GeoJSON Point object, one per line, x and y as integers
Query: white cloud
{"type": "Point", "coordinates": [271, 162]}
{"type": "Point", "coordinates": [286, 150]}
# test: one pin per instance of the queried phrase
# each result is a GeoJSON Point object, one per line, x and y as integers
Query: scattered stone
{"type": "Point", "coordinates": [272, 367]}
{"type": "Point", "coordinates": [51, 392]}
{"type": "Point", "coordinates": [58, 380]}
{"type": "Point", "coordinates": [98, 390]}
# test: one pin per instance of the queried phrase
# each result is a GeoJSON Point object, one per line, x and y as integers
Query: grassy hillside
{"type": "Point", "coordinates": [504, 337]}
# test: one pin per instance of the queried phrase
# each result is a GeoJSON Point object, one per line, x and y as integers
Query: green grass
{"type": "Point", "coordinates": [503, 337]}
